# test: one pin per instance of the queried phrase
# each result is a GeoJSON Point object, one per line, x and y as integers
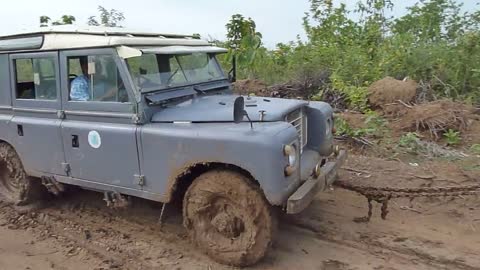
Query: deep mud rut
{"type": "Point", "coordinates": [79, 232]}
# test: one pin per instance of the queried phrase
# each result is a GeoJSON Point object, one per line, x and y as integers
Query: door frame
{"type": "Point", "coordinates": [35, 108]}
{"type": "Point", "coordinates": [98, 112]}
{"type": "Point", "coordinates": [96, 108]}
{"type": "Point", "coordinates": [34, 105]}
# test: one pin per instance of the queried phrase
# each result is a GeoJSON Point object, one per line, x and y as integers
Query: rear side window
{"type": "Point", "coordinates": [35, 78]}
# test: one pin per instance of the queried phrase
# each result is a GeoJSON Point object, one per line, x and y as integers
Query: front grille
{"type": "Point", "coordinates": [298, 119]}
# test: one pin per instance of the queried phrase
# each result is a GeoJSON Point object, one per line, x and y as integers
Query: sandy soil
{"type": "Point", "coordinates": [79, 232]}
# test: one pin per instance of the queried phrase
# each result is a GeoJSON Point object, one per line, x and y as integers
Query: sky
{"type": "Point", "coordinates": [277, 20]}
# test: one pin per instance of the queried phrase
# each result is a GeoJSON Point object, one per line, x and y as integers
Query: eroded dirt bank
{"type": "Point", "coordinates": [79, 232]}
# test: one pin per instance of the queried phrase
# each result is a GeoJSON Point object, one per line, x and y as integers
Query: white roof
{"type": "Point", "coordinates": [183, 49]}
{"type": "Point", "coordinates": [127, 52]}
{"type": "Point", "coordinates": [71, 37]}
{"type": "Point", "coordinates": [91, 30]}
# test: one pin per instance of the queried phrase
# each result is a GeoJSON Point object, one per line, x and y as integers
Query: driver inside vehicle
{"type": "Point", "coordinates": [99, 80]}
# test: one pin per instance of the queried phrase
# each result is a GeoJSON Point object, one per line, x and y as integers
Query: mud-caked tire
{"type": "Point", "coordinates": [228, 217]}
{"type": "Point", "coordinates": [16, 186]}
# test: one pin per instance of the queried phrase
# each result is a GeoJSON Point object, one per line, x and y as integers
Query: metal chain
{"type": "Point", "coordinates": [384, 194]}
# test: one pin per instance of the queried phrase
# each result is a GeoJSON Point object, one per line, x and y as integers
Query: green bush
{"type": "Point", "coordinates": [434, 42]}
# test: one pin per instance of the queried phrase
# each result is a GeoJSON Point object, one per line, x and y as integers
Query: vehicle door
{"type": "Point", "coordinates": [36, 101]}
{"type": "Point", "coordinates": [99, 134]}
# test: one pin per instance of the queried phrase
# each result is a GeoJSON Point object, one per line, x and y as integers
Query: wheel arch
{"type": "Point", "coordinates": [2, 140]}
{"type": "Point", "coordinates": [183, 181]}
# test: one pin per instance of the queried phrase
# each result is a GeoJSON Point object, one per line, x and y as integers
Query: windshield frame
{"type": "Point", "coordinates": [212, 58]}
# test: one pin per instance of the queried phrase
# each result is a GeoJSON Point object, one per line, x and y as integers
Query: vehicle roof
{"type": "Point", "coordinates": [74, 37]}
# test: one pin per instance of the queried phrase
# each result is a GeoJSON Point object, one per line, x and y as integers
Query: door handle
{"type": "Point", "coordinates": [20, 130]}
{"type": "Point", "coordinates": [75, 143]}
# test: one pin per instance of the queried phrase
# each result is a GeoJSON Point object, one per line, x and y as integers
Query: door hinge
{"type": "Point", "coordinates": [66, 168]}
{"type": "Point", "coordinates": [61, 114]}
{"type": "Point", "coordinates": [140, 180]}
{"type": "Point", "coordinates": [136, 119]}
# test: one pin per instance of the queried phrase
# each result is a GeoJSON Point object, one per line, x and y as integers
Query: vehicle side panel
{"type": "Point", "coordinates": [114, 162]}
{"type": "Point", "coordinates": [169, 149]}
{"type": "Point", "coordinates": [113, 165]}
{"type": "Point", "coordinates": [35, 127]}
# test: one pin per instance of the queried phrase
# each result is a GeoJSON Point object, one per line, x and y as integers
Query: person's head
{"type": "Point", "coordinates": [84, 65]}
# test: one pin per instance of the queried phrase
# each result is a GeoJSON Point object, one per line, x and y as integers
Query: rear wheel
{"type": "Point", "coordinates": [15, 186]}
{"type": "Point", "coordinates": [228, 217]}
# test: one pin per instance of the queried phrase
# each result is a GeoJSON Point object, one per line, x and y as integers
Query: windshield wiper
{"type": "Point", "coordinates": [171, 76]}
{"type": "Point", "coordinates": [198, 90]}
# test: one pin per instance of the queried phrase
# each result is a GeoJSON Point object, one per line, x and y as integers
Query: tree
{"type": "Point", "coordinates": [244, 43]}
{"type": "Point", "coordinates": [65, 19]}
{"type": "Point", "coordinates": [239, 29]}
{"type": "Point", "coordinates": [108, 18]}
{"type": "Point", "coordinates": [44, 20]}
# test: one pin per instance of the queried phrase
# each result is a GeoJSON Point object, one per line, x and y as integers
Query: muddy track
{"type": "Point", "coordinates": [375, 247]}
{"type": "Point", "coordinates": [78, 231]}
{"type": "Point", "coordinates": [132, 239]}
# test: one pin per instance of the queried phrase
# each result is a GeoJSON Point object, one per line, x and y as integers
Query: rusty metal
{"type": "Point", "coordinates": [383, 195]}
{"type": "Point", "coordinates": [52, 185]}
{"type": "Point", "coordinates": [116, 200]}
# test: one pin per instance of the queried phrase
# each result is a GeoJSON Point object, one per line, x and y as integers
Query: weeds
{"type": "Point", "coordinates": [375, 126]}
{"type": "Point", "coordinates": [409, 141]}
{"type": "Point", "coordinates": [452, 137]}
{"type": "Point", "coordinates": [412, 143]}
{"type": "Point", "coordinates": [475, 149]}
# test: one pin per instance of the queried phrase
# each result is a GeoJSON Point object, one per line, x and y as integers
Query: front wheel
{"type": "Point", "coordinates": [228, 217]}
{"type": "Point", "coordinates": [15, 185]}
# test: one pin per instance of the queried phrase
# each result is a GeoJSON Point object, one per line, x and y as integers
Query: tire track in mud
{"type": "Point", "coordinates": [372, 246]}
{"type": "Point", "coordinates": [132, 238]}
{"type": "Point", "coordinates": [132, 244]}
{"type": "Point", "coordinates": [121, 242]}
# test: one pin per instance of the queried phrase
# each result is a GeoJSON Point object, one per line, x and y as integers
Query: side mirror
{"type": "Point", "coordinates": [231, 78]}
{"type": "Point", "coordinates": [238, 110]}
{"type": "Point", "coordinates": [232, 74]}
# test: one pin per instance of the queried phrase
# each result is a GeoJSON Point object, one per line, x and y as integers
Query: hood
{"type": "Point", "coordinates": [219, 108]}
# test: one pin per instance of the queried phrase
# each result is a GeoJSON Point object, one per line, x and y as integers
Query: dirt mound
{"type": "Point", "coordinates": [284, 90]}
{"type": "Point", "coordinates": [293, 89]}
{"type": "Point", "coordinates": [472, 135]}
{"type": "Point", "coordinates": [436, 117]}
{"type": "Point", "coordinates": [389, 90]}
{"type": "Point", "coordinates": [355, 120]}
{"type": "Point", "coordinates": [247, 87]}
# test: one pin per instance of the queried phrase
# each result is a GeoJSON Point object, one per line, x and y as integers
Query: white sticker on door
{"type": "Point", "coordinates": [94, 139]}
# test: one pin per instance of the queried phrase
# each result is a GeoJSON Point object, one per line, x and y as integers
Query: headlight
{"type": "Point", "coordinates": [291, 153]}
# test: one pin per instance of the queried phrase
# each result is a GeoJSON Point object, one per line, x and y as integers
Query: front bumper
{"type": "Point", "coordinates": [304, 195]}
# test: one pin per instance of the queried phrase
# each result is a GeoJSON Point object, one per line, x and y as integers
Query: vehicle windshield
{"type": "Point", "coordinates": [161, 71]}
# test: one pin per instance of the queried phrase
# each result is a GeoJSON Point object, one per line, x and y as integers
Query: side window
{"type": "Point", "coordinates": [35, 79]}
{"type": "Point", "coordinates": [95, 78]}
